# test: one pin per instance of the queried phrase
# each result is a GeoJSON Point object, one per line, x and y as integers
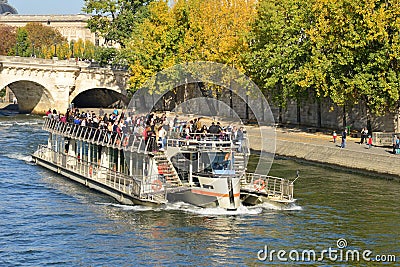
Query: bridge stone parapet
{"type": "Point", "coordinates": [40, 84]}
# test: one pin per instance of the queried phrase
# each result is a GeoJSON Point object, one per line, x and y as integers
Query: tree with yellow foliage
{"type": "Point", "coordinates": [190, 30]}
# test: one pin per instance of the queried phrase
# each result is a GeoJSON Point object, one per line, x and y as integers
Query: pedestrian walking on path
{"type": "Point", "coordinates": [334, 135]}
{"type": "Point", "coordinates": [344, 136]}
{"type": "Point", "coordinates": [364, 136]}
{"type": "Point", "coordinates": [369, 141]}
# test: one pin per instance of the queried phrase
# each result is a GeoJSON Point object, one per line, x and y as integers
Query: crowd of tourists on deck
{"type": "Point", "coordinates": [154, 128]}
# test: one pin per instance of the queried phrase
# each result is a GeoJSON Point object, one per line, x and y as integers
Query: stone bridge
{"type": "Point", "coordinates": [40, 84]}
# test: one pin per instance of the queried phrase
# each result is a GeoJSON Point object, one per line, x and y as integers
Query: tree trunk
{"type": "Point", "coordinates": [397, 120]}
{"type": "Point", "coordinates": [319, 115]}
{"type": "Point", "coordinates": [344, 116]}
{"type": "Point", "coordinates": [369, 126]}
{"type": "Point", "coordinates": [247, 108]}
{"type": "Point", "coordinates": [231, 102]}
{"type": "Point", "coordinates": [209, 103]}
{"type": "Point", "coordinates": [298, 113]}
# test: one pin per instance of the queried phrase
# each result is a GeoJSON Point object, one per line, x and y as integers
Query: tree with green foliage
{"type": "Point", "coordinates": [32, 39]}
{"type": "Point", "coordinates": [89, 50]}
{"type": "Point", "coordinates": [344, 50]}
{"type": "Point", "coordinates": [153, 45]}
{"type": "Point", "coordinates": [279, 49]}
{"type": "Point", "coordinates": [356, 45]}
{"type": "Point", "coordinates": [3, 92]}
{"type": "Point", "coordinates": [22, 44]}
{"type": "Point", "coordinates": [114, 19]}
{"type": "Point", "coordinates": [105, 55]}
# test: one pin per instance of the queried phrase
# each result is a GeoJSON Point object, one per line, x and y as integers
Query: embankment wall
{"type": "Point", "coordinates": [368, 162]}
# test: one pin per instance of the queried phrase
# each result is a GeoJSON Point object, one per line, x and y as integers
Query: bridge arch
{"type": "Point", "coordinates": [32, 96]}
{"type": "Point", "coordinates": [99, 97]}
{"type": "Point", "coordinates": [61, 82]}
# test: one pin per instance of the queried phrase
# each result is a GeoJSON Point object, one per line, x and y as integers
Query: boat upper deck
{"type": "Point", "coordinates": [135, 142]}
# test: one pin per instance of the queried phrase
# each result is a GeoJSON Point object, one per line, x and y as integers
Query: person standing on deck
{"type": "Point", "coordinates": [162, 136]}
{"type": "Point", "coordinates": [240, 138]}
{"type": "Point", "coordinates": [344, 136]}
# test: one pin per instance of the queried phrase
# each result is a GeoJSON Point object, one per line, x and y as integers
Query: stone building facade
{"type": "Point", "coordinates": [72, 27]}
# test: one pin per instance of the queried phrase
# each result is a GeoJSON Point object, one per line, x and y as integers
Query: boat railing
{"type": "Point", "coordinates": [131, 185]}
{"type": "Point", "coordinates": [202, 145]}
{"type": "Point", "coordinates": [219, 175]}
{"type": "Point", "coordinates": [206, 142]}
{"type": "Point", "coordinates": [135, 142]}
{"type": "Point", "coordinates": [127, 141]}
{"type": "Point", "coordinates": [274, 187]}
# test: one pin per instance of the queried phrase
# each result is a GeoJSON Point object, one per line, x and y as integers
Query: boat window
{"type": "Point", "coordinates": [222, 161]}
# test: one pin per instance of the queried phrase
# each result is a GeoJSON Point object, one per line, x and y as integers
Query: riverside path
{"type": "Point", "coordinates": [319, 147]}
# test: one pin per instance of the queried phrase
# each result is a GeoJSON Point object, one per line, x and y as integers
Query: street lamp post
{"type": "Point", "coordinates": [55, 49]}
{"type": "Point", "coordinates": [72, 48]}
{"type": "Point", "coordinates": [33, 49]}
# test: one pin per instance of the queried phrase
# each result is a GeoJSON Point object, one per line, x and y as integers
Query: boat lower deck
{"type": "Point", "coordinates": [257, 189]}
{"type": "Point", "coordinates": [252, 198]}
{"type": "Point", "coordinates": [130, 190]}
{"type": "Point", "coordinates": [125, 189]}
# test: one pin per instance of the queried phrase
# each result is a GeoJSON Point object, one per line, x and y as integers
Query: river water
{"type": "Point", "coordinates": [47, 220]}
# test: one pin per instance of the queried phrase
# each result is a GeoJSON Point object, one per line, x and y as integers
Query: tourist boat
{"type": "Point", "coordinates": [204, 170]}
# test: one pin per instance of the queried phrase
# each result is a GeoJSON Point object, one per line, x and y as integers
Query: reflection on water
{"type": "Point", "coordinates": [51, 220]}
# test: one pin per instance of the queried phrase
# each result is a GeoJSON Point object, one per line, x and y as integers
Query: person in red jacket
{"type": "Point", "coordinates": [369, 142]}
{"type": "Point", "coordinates": [334, 135]}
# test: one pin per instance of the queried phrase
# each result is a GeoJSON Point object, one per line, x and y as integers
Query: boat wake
{"type": "Point", "coordinates": [26, 158]}
{"type": "Point", "coordinates": [27, 123]}
{"type": "Point", "coordinates": [19, 123]}
{"type": "Point", "coordinates": [185, 207]}
{"type": "Point", "coordinates": [5, 124]}
{"type": "Point", "coordinates": [271, 206]}
{"type": "Point", "coordinates": [127, 207]}
{"type": "Point", "coordinates": [242, 210]}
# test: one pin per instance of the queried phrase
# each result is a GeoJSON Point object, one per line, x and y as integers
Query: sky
{"type": "Point", "coordinates": [47, 7]}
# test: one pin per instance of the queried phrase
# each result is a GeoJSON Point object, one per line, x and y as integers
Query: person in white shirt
{"type": "Point", "coordinates": [162, 137]}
